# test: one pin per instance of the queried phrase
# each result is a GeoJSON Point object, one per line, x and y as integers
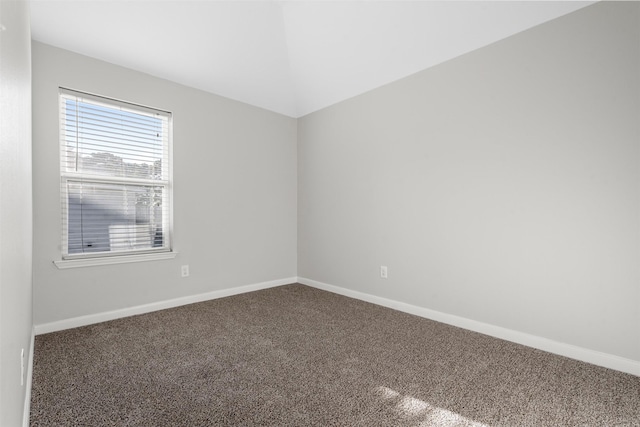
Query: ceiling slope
{"type": "Point", "coordinates": [291, 57]}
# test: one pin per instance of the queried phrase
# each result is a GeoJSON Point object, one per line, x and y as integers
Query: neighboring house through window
{"type": "Point", "coordinates": [115, 170]}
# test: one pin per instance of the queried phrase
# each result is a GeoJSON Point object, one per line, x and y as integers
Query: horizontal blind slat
{"type": "Point", "coordinates": [116, 122]}
{"type": "Point", "coordinates": [109, 146]}
{"type": "Point", "coordinates": [116, 127]}
{"type": "Point", "coordinates": [110, 102]}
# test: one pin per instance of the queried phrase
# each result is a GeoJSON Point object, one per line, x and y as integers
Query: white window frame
{"type": "Point", "coordinates": [121, 256]}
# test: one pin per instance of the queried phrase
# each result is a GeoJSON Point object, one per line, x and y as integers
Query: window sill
{"type": "Point", "coordinates": [122, 259]}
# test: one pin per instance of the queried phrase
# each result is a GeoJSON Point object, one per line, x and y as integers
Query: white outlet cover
{"type": "Point", "coordinates": [22, 367]}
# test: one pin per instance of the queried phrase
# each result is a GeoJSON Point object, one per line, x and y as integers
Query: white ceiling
{"type": "Point", "coordinates": [291, 57]}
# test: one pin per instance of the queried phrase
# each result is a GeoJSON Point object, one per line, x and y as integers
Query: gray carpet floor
{"type": "Point", "coordinates": [298, 356]}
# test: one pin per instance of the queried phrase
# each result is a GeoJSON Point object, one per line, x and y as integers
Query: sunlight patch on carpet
{"type": "Point", "coordinates": [424, 412]}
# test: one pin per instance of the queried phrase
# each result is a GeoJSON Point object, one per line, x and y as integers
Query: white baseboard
{"type": "Point", "coordinates": [27, 398]}
{"type": "Point", "coordinates": [161, 305]}
{"type": "Point", "coordinates": [568, 350]}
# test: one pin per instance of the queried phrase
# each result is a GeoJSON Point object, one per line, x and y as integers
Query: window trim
{"type": "Point", "coordinates": [117, 257]}
{"type": "Point", "coordinates": [113, 259]}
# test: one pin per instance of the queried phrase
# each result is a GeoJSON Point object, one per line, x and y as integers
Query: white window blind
{"type": "Point", "coordinates": [115, 171]}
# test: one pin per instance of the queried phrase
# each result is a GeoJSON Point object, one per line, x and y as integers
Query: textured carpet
{"type": "Point", "coordinates": [298, 356]}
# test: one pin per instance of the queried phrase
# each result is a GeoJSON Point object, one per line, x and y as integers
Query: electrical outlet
{"type": "Point", "coordinates": [185, 271]}
{"type": "Point", "coordinates": [383, 271]}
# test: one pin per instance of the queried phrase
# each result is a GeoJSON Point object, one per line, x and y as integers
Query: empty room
{"type": "Point", "coordinates": [327, 213]}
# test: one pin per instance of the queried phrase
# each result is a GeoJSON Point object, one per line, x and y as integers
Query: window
{"type": "Point", "coordinates": [115, 171]}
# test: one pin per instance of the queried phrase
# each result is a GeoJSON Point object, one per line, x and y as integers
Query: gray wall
{"type": "Point", "coordinates": [234, 193]}
{"type": "Point", "coordinates": [15, 207]}
{"type": "Point", "coordinates": [502, 186]}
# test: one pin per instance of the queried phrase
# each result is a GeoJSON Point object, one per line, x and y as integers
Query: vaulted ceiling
{"type": "Point", "coordinates": [291, 57]}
